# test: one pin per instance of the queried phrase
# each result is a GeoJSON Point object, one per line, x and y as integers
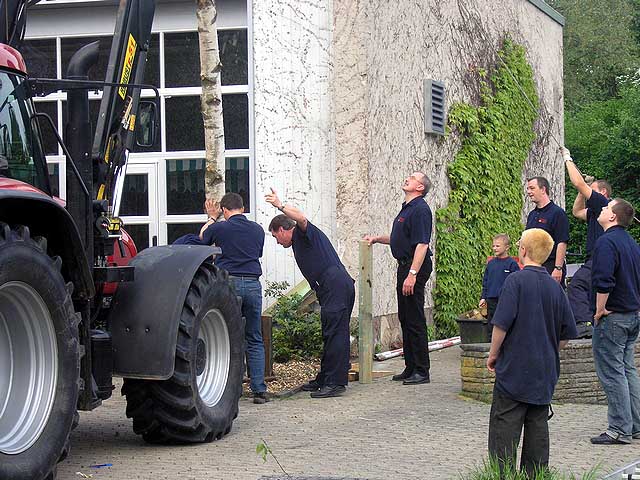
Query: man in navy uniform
{"type": "Point", "coordinates": [241, 241]}
{"type": "Point", "coordinates": [590, 200]}
{"type": "Point", "coordinates": [409, 240]}
{"type": "Point", "coordinates": [321, 266]}
{"type": "Point", "coordinates": [616, 283]}
{"type": "Point", "coordinates": [552, 219]}
{"type": "Point", "coordinates": [532, 322]}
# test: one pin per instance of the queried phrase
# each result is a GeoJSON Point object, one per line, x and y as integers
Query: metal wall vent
{"type": "Point", "coordinates": [434, 113]}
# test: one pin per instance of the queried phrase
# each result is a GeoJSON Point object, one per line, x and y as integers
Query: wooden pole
{"type": "Point", "coordinates": [365, 319]}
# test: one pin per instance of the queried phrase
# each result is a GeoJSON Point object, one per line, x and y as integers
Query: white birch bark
{"type": "Point", "coordinates": [211, 99]}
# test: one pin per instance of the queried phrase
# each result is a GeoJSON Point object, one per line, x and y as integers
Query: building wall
{"type": "Point", "coordinates": [294, 143]}
{"type": "Point", "coordinates": [382, 53]}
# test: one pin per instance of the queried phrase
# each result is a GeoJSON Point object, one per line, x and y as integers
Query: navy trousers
{"type": "Point", "coordinates": [413, 323]}
{"type": "Point", "coordinates": [336, 295]}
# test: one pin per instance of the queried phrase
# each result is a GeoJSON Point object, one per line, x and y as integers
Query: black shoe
{"type": "Point", "coordinates": [416, 379]}
{"type": "Point", "coordinates": [311, 386]}
{"type": "Point", "coordinates": [401, 376]}
{"type": "Point", "coordinates": [260, 398]}
{"type": "Point", "coordinates": [636, 436]}
{"type": "Point", "coordinates": [329, 391]}
{"type": "Point", "coordinates": [606, 439]}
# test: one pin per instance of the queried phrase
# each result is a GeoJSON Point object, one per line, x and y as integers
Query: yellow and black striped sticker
{"type": "Point", "coordinates": [128, 65]}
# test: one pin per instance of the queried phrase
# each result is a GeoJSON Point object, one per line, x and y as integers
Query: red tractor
{"type": "Point", "coordinates": [78, 305]}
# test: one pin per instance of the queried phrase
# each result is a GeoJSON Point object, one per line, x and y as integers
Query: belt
{"type": "Point", "coordinates": [247, 277]}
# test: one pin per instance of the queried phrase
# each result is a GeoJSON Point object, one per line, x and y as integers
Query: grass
{"type": "Point", "coordinates": [490, 470]}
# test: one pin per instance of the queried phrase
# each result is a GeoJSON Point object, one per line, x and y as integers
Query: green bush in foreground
{"type": "Point", "coordinates": [490, 470]}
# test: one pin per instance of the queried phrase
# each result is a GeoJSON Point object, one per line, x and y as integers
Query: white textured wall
{"type": "Point", "coordinates": [382, 52]}
{"type": "Point", "coordinates": [294, 147]}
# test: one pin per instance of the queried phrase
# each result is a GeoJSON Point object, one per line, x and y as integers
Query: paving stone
{"type": "Point", "coordinates": [378, 431]}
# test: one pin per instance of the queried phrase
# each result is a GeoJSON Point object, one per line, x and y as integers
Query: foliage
{"type": "Point", "coordinates": [490, 470]}
{"type": "Point", "coordinates": [296, 334]}
{"type": "Point", "coordinates": [599, 48]}
{"type": "Point", "coordinates": [263, 450]}
{"type": "Point", "coordinates": [604, 139]}
{"type": "Point", "coordinates": [486, 188]}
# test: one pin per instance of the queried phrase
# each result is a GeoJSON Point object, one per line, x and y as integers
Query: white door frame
{"type": "Point", "coordinates": [152, 220]}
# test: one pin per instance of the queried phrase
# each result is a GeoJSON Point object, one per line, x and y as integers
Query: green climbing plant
{"type": "Point", "coordinates": [485, 177]}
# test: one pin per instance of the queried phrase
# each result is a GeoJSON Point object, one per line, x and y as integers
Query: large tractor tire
{"type": "Point", "coordinates": [200, 401]}
{"type": "Point", "coordinates": [39, 358]}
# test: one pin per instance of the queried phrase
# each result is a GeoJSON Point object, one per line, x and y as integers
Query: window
{"type": "Point", "coordinates": [21, 154]}
{"type": "Point", "coordinates": [173, 64]}
{"type": "Point", "coordinates": [185, 129]}
{"type": "Point", "coordinates": [236, 179]}
{"type": "Point", "coordinates": [185, 186]}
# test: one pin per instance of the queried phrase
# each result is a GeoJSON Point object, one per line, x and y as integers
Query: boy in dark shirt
{"type": "Point", "coordinates": [532, 322]}
{"type": "Point", "coordinates": [496, 272]}
{"type": "Point", "coordinates": [616, 284]}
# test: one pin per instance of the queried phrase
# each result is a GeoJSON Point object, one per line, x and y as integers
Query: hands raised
{"type": "Point", "coordinates": [273, 199]}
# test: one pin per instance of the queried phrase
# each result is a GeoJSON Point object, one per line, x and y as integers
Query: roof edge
{"type": "Point", "coordinates": [550, 12]}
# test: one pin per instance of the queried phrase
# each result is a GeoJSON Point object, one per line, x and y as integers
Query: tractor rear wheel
{"type": "Point", "coordinates": [200, 401]}
{"type": "Point", "coordinates": [39, 358]}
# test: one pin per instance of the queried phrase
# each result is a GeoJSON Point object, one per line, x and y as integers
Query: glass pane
{"type": "Point", "coordinates": [185, 186]}
{"type": "Point", "coordinates": [156, 146]}
{"type": "Point", "coordinates": [140, 235]}
{"type": "Point", "coordinates": [135, 195]}
{"type": "Point", "coordinates": [234, 56]}
{"type": "Point", "coordinates": [181, 59]}
{"type": "Point", "coordinates": [54, 178]}
{"type": "Point", "coordinates": [72, 45]}
{"type": "Point", "coordinates": [185, 130]}
{"type": "Point", "coordinates": [21, 154]}
{"type": "Point", "coordinates": [40, 57]}
{"type": "Point", "coordinates": [236, 179]}
{"type": "Point", "coordinates": [152, 68]}
{"type": "Point", "coordinates": [175, 230]}
{"type": "Point", "coordinates": [235, 109]}
{"type": "Point", "coordinates": [49, 142]}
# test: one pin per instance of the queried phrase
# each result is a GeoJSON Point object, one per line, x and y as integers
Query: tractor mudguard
{"type": "Point", "coordinates": [46, 217]}
{"type": "Point", "coordinates": [145, 313]}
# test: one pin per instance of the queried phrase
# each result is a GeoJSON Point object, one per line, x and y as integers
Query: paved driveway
{"type": "Point", "coordinates": [378, 431]}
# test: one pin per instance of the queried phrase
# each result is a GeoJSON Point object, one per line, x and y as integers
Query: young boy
{"type": "Point", "coordinates": [498, 268]}
{"type": "Point", "coordinates": [532, 322]}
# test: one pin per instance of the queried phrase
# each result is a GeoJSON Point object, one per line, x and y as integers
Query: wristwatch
{"type": "Point", "coordinates": [413, 272]}
{"type": "Point", "coordinates": [557, 267]}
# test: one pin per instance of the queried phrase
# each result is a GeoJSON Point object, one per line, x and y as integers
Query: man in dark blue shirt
{"type": "Point", "coordinates": [322, 268]}
{"type": "Point", "coordinates": [409, 239]}
{"type": "Point", "coordinates": [553, 220]}
{"type": "Point", "coordinates": [587, 206]}
{"type": "Point", "coordinates": [532, 322]}
{"type": "Point", "coordinates": [241, 241]}
{"type": "Point", "coordinates": [616, 283]}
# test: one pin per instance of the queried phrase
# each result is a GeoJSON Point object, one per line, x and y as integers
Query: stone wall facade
{"type": "Point", "coordinates": [578, 382]}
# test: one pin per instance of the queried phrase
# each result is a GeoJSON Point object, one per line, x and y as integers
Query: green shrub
{"type": "Point", "coordinates": [297, 335]}
{"type": "Point", "coordinates": [486, 184]}
{"type": "Point", "coordinates": [490, 470]}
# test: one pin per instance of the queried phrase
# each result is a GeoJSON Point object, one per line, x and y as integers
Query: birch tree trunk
{"type": "Point", "coordinates": [211, 99]}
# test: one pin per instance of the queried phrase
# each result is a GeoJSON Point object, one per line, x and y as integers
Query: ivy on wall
{"type": "Point", "coordinates": [485, 177]}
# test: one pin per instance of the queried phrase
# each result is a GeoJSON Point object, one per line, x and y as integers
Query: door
{"type": "Point", "coordinates": [139, 205]}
